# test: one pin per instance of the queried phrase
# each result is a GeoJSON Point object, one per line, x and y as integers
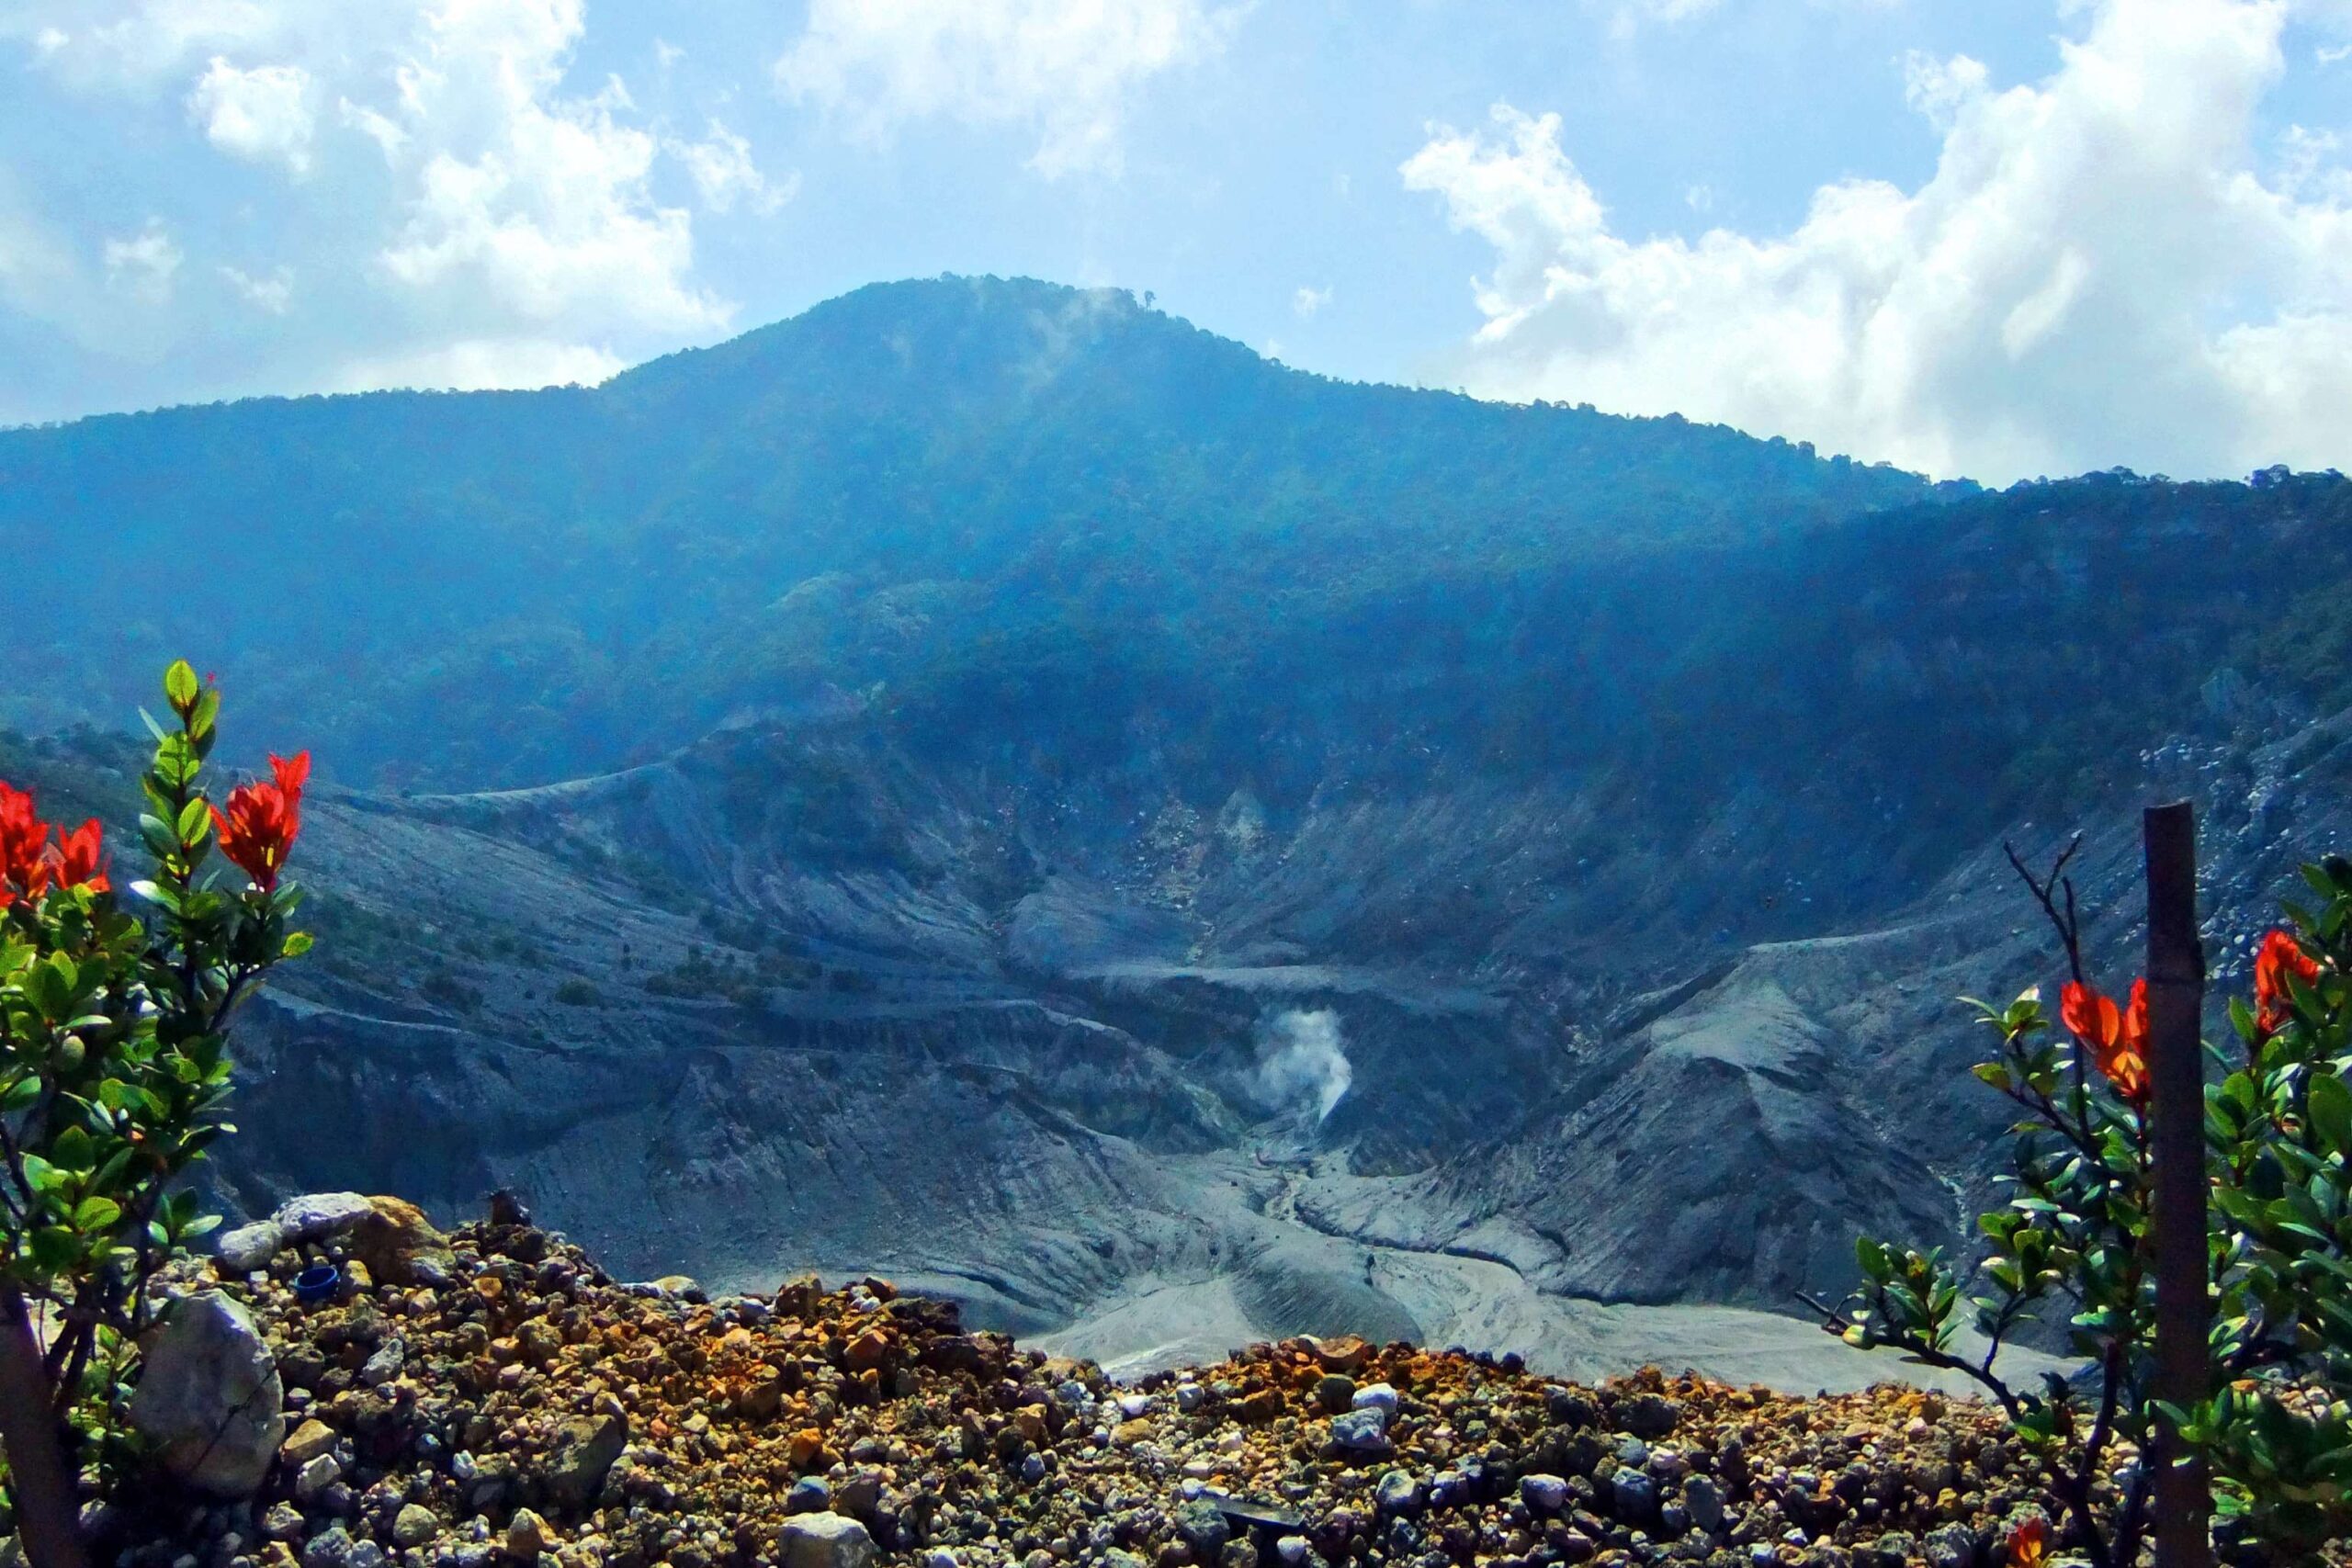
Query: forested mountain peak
{"type": "Point", "coordinates": [504, 583]}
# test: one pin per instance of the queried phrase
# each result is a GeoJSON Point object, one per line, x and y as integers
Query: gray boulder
{"type": "Point", "coordinates": [248, 1247]}
{"type": "Point", "coordinates": [586, 1449]}
{"type": "Point", "coordinates": [824, 1541]}
{"type": "Point", "coordinates": [315, 1216]}
{"type": "Point", "coordinates": [209, 1397]}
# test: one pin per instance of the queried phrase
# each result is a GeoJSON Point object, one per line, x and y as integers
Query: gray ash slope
{"type": "Point", "coordinates": [1064, 1100]}
{"type": "Point", "coordinates": [1170, 851]}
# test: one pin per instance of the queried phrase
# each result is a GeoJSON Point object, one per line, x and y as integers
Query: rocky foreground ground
{"type": "Point", "coordinates": [491, 1397]}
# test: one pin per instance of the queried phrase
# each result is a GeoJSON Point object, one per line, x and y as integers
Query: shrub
{"type": "Point", "coordinates": [579, 994]}
{"type": "Point", "coordinates": [114, 1066]}
{"type": "Point", "coordinates": [2075, 1242]}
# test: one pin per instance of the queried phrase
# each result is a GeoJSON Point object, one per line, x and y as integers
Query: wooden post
{"type": "Point", "coordinates": [40, 1484]}
{"type": "Point", "coordinates": [2177, 1117]}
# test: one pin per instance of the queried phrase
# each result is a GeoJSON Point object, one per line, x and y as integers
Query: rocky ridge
{"type": "Point", "coordinates": [493, 1397]}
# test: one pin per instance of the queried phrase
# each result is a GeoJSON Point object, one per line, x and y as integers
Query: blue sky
{"type": "Point", "coordinates": [1991, 237]}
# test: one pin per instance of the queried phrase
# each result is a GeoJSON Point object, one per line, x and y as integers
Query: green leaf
{"type": "Point", "coordinates": [95, 1213]}
{"type": "Point", "coordinates": [112, 1173]}
{"type": "Point", "coordinates": [297, 944]}
{"type": "Point", "coordinates": [208, 708]}
{"type": "Point", "coordinates": [71, 1150]}
{"type": "Point", "coordinates": [195, 820]}
{"type": "Point", "coordinates": [180, 684]}
{"type": "Point", "coordinates": [53, 1247]}
{"type": "Point", "coordinates": [2331, 1113]}
{"type": "Point", "coordinates": [158, 836]}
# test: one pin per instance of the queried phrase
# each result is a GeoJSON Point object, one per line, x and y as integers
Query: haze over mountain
{"type": "Point", "coordinates": [986, 782]}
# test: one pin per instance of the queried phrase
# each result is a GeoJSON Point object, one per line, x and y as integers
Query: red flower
{"type": "Point", "coordinates": [80, 856]}
{"type": "Point", "coordinates": [2028, 1543]}
{"type": "Point", "coordinates": [2092, 1016]}
{"type": "Point", "coordinates": [264, 819]}
{"type": "Point", "coordinates": [25, 868]}
{"type": "Point", "coordinates": [2279, 957]}
{"type": "Point", "coordinates": [2117, 1041]}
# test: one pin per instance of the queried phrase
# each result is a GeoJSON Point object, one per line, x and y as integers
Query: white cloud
{"type": "Point", "coordinates": [1939, 88]}
{"type": "Point", "coordinates": [1308, 301]}
{"type": "Point", "coordinates": [480, 365]}
{"type": "Point", "coordinates": [143, 265]}
{"type": "Point", "coordinates": [1063, 70]}
{"type": "Point", "coordinates": [263, 114]}
{"type": "Point", "coordinates": [469, 196]}
{"type": "Point", "coordinates": [2096, 273]}
{"type": "Point", "coordinates": [271, 295]}
{"type": "Point", "coordinates": [722, 167]}
{"type": "Point", "coordinates": [525, 201]}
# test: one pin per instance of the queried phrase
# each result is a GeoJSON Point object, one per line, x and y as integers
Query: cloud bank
{"type": "Point", "coordinates": [2105, 267]}
{"type": "Point", "coordinates": [467, 218]}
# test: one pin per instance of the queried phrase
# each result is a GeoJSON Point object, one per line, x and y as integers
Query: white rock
{"type": "Point", "coordinates": [209, 1397]}
{"type": "Point", "coordinates": [316, 1476]}
{"type": "Point", "coordinates": [249, 1248]}
{"type": "Point", "coordinates": [824, 1541]}
{"type": "Point", "coordinates": [384, 1364]}
{"type": "Point", "coordinates": [1364, 1430]}
{"type": "Point", "coordinates": [1544, 1494]}
{"type": "Point", "coordinates": [315, 1216]}
{"type": "Point", "coordinates": [1293, 1549]}
{"type": "Point", "coordinates": [1376, 1395]}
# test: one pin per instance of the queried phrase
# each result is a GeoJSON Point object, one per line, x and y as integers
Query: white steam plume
{"type": "Point", "coordinates": [1301, 1062]}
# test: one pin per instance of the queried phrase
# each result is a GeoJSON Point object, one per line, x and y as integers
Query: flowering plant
{"type": "Point", "coordinates": [114, 1070]}
{"type": "Point", "coordinates": [2075, 1242]}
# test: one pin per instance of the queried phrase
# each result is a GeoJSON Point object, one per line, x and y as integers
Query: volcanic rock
{"type": "Point", "coordinates": [209, 1397]}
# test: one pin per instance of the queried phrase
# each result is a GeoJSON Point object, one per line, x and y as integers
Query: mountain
{"type": "Point", "coordinates": [932, 486]}
{"type": "Point", "coordinates": [986, 783]}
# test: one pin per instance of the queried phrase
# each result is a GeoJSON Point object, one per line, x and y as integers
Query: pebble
{"type": "Point", "coordinates": [1398, 1493]}
{"type": "Point", "coordinates": [526, 1535]}
{"type": "Point", "coordinates": [414, 1525]}
{"type": "Point", "coordinates": [316, 1476]}
{"type": "Point", "coordinates": [1544, 1494]}
{"type": "Point", "coordinates": [1363, 1430]}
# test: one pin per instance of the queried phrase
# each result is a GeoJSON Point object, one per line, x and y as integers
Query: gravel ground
{"type": "Point", "coordinates": [502, 1400]}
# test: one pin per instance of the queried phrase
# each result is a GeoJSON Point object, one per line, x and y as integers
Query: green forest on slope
{"type": "Point", "coordinates": [1052, 531]}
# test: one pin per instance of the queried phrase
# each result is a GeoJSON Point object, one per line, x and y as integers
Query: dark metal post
{"type": "Point", "coordinates": [2177, 1114]}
